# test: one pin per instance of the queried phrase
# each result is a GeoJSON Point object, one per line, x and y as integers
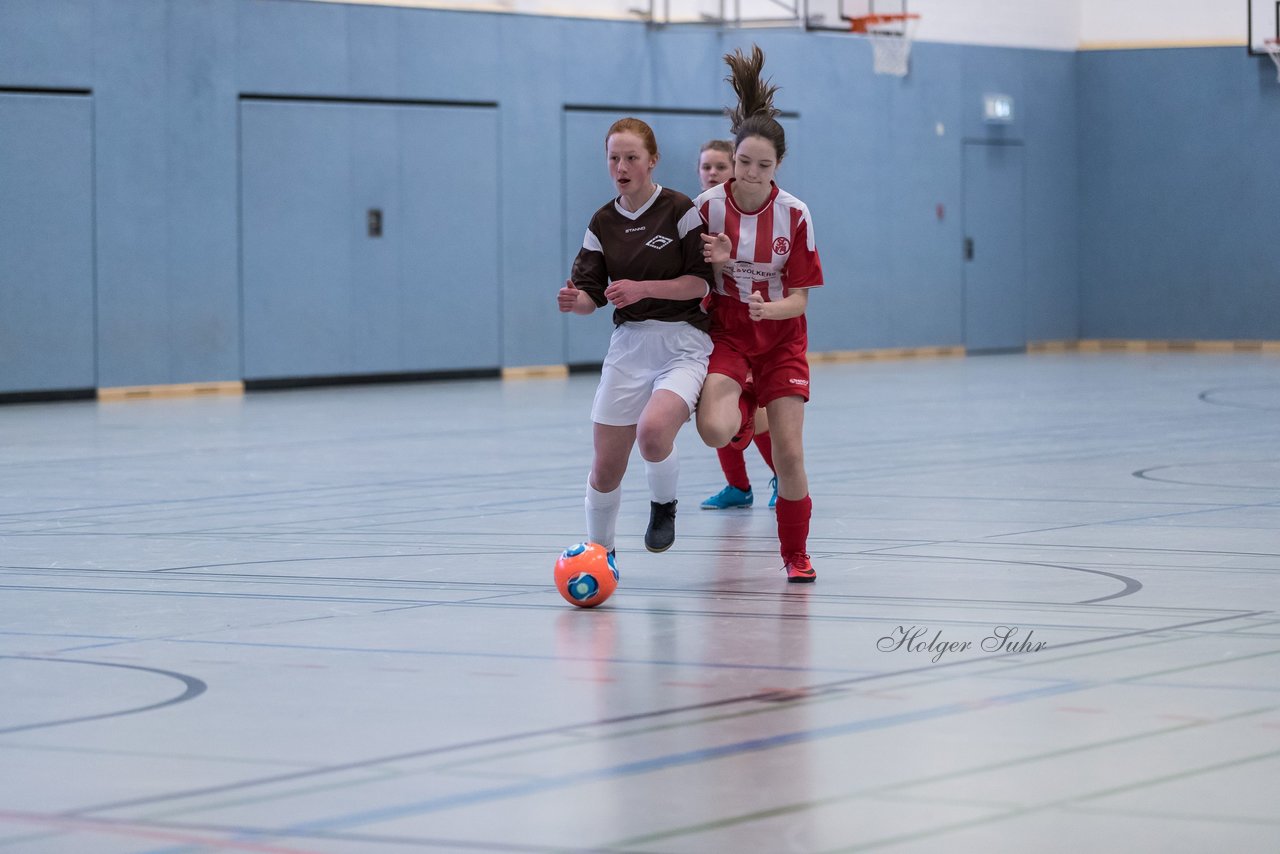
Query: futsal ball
{"type": "Point", "coordinates": [584, 576]}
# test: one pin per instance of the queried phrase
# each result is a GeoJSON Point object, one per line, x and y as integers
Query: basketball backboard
{"type": "Point", "coordinates": [832, 15]}
{"type": "Point", "coordinates": [1264, 23]}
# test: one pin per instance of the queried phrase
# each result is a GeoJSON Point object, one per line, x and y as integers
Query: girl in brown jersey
{"type": "Point", "coordinates": [642, 252]}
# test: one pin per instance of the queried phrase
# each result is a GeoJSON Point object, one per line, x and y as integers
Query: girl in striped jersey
{"type": "Point", "coordinates": [761, 247]}
{"type": "Point", "coordinates": [715, 166]}
{"type": "Point", "coordinates": [642, 253]}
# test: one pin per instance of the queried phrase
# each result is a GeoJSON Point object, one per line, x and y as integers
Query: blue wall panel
{"type": "Point", "coordinates": [995, 277]}
{"type": "Point", "coordinates": [331, 50]}
{"type": "Point", "coordinates": [132, 194]}
{"type": "Point", "coordinates": [530, 172]}
{"type": "Point", "coordinates": [299, 221]}
{"type": "Point", "coordinates": [324, 298]}
{"type": "Point", "coordinates": [913, 265]}
{"type": "Point", "coordinates": [1048, 107]}
{"type": "Point", "coordinates": [1178, 174]}
{"type": "Point", "coordinates": [450, 311]}
{"type": "Point", "coordinates": [201, 167]}
{"type": "Point", "coordinates": [865, 155]}
{"type": "Point", "coordinates": [166, 181]}
{"type": "Point", "coordinates": [48, 45]}
{"type": "Point", "coordinates": [46, 243]}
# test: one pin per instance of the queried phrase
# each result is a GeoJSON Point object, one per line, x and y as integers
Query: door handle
{"type": "Point", "coordinates": [968, 249]}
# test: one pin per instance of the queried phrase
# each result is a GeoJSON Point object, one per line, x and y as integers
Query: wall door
{"type": "Point", "coordinates": [368, 239]}
{"type": "Point", "coordinates": [46, 243]}
{"type": "Point", "coordinates": [994, 248]}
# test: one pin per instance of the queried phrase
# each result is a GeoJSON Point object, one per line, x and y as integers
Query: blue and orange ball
{"type": "Point", "coordinates": [585, 576]}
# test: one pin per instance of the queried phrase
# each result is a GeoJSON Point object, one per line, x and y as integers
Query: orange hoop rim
{"type": "Point", "coordinates": [863, 23]}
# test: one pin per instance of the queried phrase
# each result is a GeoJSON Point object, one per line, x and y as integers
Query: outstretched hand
{"type": "Point", "coordinates": [716, 248]}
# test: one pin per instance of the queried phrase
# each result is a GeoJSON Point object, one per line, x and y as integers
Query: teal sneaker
{"type": "Point", "coordinates": [773, 499]}
{"type": "Point", "coordinates": [613, 565]}
{"type": "Point", "coordinates": [727, 498]}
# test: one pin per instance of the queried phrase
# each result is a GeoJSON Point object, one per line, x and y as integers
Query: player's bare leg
{"type": "Point", "coordinates": [718, 414]}
{"type": "Point", "coordinates": [737, 491]}
{"type": "Point", "coordinates": [762, 420]}
{"type": "Point", "coordinates": [663, 416]}
{"type": "Point", "coordinates": [612, 450]}
{"type": "Point", "coordinates": [786, 419]}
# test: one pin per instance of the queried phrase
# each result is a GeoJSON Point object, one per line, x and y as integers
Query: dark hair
{"type": "Point", "coordinates": [754, 115]}
{"type": "Point", "coordinates": [722, 145]}
{"type": "Point", "coordinates": [639, 128]}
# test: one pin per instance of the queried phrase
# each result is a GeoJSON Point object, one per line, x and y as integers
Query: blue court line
{"type": "Point", "coordinates": [518, 656]}
{"type": "Point", "coordinates": [675, 760]}
{"type": "Point", "coordinates": [64, 635]}
{"type": "Point", "coordinates": [657, 763]}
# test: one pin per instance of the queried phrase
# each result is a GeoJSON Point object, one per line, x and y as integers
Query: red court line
{"type": "Point", "coordinates": [120, 829]}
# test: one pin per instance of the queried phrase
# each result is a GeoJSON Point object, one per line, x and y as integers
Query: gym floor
{"type": "Point", "coordinates": [323, 620]}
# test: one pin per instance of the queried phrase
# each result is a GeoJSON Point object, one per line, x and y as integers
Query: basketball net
{"type": "Point", "coordinates": [1273, 51]}
{"type": "Point", "coordinates": [891, 37]}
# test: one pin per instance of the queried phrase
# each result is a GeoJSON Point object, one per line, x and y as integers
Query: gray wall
{"type": "Point", "coordinates": [182, 188]}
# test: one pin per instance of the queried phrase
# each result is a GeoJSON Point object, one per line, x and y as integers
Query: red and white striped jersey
{"type": "Point", "coordinates": [773, 247]}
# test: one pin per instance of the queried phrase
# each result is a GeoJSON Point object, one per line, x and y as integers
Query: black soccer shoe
{"type": "Point", "coordinates": [662, 526]}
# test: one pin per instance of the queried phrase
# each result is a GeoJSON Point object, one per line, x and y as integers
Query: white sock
{"type": "Point", "coordinates": [602, 515]}
{"type": "Point", "coordinates": [663, 477]}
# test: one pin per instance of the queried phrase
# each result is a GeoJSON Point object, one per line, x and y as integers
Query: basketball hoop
{"type": "Point", "coordinates": [891, 37]}
{"type": "Point", "coordinates": [1272, 47]}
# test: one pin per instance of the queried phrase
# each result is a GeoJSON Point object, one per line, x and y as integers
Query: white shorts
{"type": "Point", "coordinates": [644, 357]}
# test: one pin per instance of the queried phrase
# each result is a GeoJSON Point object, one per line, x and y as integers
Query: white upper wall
{"type": "Point", "coordinates": [1050, 24]}
{"type": "Point", "coordinates": [1168, 22]}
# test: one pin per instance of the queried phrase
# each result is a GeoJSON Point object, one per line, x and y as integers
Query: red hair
{"type": "Point", "coordinates": [639, 128]}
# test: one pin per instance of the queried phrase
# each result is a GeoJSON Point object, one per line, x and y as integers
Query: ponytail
{"type": "Point", "coordinates": [755, 114]}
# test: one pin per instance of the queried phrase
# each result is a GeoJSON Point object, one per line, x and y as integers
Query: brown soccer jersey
{"type": "Point", "coordinates": [661, 241]}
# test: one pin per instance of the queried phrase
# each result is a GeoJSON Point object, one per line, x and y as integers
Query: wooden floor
{"type": "Point", "coordinates": [323, 621]}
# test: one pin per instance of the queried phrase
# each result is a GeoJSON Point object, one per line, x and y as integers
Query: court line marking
{"type": "Point", "coordinates": [945, 777]}
{"type": "Point", "coordinates": [192, 688]}
{"type": "Point", "coordinates": [510, 738]}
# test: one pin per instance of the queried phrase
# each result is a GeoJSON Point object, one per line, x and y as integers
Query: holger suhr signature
{"type": "Point", "coordinates": [916, 639]}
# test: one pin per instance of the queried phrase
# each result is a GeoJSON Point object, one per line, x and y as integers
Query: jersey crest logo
{"type": "Point", "coordinates": [781, 246]}
{"type": "Point", "coordinates": [659, 242]}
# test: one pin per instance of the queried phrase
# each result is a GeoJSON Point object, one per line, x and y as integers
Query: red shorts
{"type": "Point", "coordinates": [774, 353]}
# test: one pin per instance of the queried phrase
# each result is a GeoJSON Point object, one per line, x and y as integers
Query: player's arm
{"type": "Point", "coordinates": [792, 305]}
{"type": "Point", "coordinates": [624, 292]}
{"type": "Point", "coordinates": [584, 292]}
{"type": "Point", "coordinates": [802, 272]}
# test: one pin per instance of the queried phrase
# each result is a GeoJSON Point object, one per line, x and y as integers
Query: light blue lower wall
{"type": "Point", "coordinates": [1179, 177]}
{"type": "Point", "coordinates": [874, 157]}
{"type": "Point", "coordinates": [46, 262]}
